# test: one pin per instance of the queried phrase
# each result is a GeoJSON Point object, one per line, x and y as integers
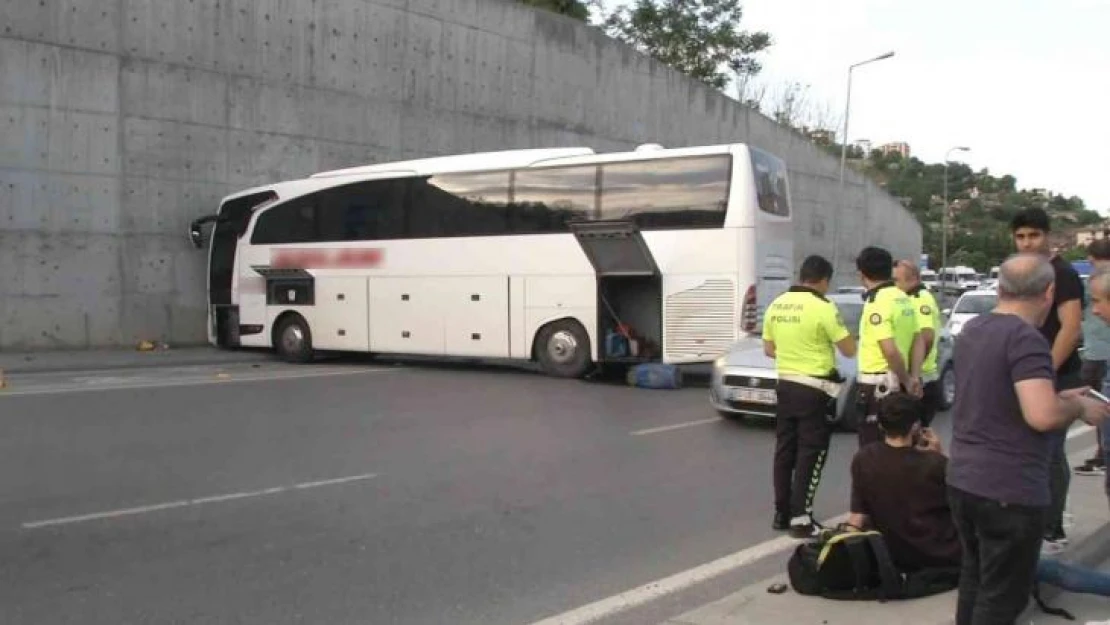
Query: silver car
{"type": "Point", "coordinates": [744, 380]}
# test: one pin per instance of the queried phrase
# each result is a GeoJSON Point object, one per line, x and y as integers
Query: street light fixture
{"type": "Point", "coordinates": [844, 151]}
{"type": "Point", "coordinates": [944, 216]}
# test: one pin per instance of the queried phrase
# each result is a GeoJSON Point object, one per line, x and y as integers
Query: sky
{"type": "Point", "coordinates": [1024, 83]}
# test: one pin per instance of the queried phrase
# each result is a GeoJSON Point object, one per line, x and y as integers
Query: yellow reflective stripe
{"type": "Point", "coordinates": [838, 538]}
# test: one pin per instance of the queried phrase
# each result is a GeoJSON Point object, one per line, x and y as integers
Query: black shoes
{"type": "Point", "coordinates": [781, 522]}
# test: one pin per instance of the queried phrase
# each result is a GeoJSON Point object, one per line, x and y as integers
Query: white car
{"type": "Point", "coordinates": [744, 380]}
{"type": "Point", "coordinates": [970, 305]}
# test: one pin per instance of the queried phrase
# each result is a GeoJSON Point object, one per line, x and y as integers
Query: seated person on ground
{"type": "Point", "coordinates": [898, 488]}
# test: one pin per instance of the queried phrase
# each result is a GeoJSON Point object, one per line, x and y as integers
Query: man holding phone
{"type": "Point", "coordinates": [1096, 353]}
{"type": "Point", "coordinates": [1006, 420]}
{"type": "Point", "coordinates": [1100, 308]}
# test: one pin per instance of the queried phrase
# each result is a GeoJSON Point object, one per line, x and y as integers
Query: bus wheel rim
{"type": "Point", "coordinates": [293, 338]}
{"type": "Point", "coordinates": [562, 347]}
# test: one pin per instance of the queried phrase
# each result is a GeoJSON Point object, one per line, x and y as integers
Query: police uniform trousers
{"type": "Point", "coordinates": [930, 402]}
{"type": "Point", "coordinates": [802, 435]}
{"type": "Point", "coordinates": [867, 406]}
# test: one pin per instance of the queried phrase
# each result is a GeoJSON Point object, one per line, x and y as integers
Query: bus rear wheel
{"type": "Point", "coordinates": [563, 349]}
{"type": "Point", "coordinates": [293, 339]}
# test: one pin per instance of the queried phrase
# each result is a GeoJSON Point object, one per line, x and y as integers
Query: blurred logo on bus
{"type": "Point", "coordinates": [322, 258]}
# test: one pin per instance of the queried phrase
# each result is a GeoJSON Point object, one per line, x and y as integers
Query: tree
{"type": "Point", "coordinates": [792, 106]}
{"type": "Point", "coordinates": [571, 8]}
{"type": "Point", "coordinates": [700, 38]}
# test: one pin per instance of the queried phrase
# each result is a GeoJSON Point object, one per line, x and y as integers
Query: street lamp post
{"type": "Point", "coordinates": [944, 217]}
{"type": "Point", "coordinates": [844, 153]}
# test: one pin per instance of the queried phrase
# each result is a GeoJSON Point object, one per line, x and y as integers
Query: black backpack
{"type": "Point", "coordinates": [853, 565]}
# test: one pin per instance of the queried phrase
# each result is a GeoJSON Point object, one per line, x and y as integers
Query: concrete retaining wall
{"type": "Point", "coordinates": [122, 120]}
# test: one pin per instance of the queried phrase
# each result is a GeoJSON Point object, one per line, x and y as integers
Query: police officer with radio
{"type": "Point", "coordinates": [801, 330]}
{"type": "Point", "coordinates": [908, 278]}
{"type": "Point", "coordinates": [888, 340]}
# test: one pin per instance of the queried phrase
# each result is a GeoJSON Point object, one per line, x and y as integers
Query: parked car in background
{"type": "Point", "coordinates": [958, 280]}
{"type": "Point", "coordinates": [744, 380]}
{"type": "Point", "coordinates": [929, 279]}
{"type": "Point", "coordinates": [969, 306]}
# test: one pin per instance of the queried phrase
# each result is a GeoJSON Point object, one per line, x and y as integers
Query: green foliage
{"type": "Point", "coordinates": [701, 38]}
{"type": "Point", "coordinates": [570, 8]}
{"type": "Point", "coordinates": [979, 234]}
{"type": "Point", "coordinates": [1075, 253]}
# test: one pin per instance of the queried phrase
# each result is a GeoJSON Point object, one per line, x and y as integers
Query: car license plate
{"type": "Point", "coordinates": [753, 395]}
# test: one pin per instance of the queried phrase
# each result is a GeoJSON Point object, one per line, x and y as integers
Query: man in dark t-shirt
{"type": "Point", "coordinates": [1004, 423]}
{"type": "Point", "coordinates": [1063, 328]}
{"type": "Point", "coordinates": [898, 487]}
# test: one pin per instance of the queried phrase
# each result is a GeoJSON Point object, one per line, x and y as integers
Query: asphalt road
{"type": "Point", "coordinates": [364, 493]}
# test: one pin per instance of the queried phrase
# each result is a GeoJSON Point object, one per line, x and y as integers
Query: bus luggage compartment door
{"type": "Point", "coordinates": [630, 305]}
{"type": "Point", "coordinates": [615, 248]}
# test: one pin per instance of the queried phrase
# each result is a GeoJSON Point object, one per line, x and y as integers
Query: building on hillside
{"type": "Point", "coordinates": [898, 147]}
{"type": "Point", "coordinates": [1087, 236]}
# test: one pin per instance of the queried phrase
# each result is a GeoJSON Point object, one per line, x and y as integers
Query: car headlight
{"type": "Point", "coordinates": [720, 362]}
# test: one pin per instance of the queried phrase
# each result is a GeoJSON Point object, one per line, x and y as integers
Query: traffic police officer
{"type": "Point", "coordinates": [887, 333]}
{"type": "Point", "coordinates": [800, 329]}
{"type": "Point", "coordinates": [908, 278]}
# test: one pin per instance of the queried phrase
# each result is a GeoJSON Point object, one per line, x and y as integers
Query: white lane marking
{"type": "Point", "coordinates": [1072, 433]}
{"type": "Point", "coordinates": [1079, 431]}
{"type": "Point", "coordinates": [668, 585]}
{"type": "Point", "coordinates": [231, 379]}
{"type": "Point", "coordinates": [113, 514]}
{"type": "Point", "coordinates": [677, 426]}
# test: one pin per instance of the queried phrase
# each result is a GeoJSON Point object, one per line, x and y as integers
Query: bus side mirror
{"type": "Point", "coordinates": [196, 237]}
{"type": "Point", "coordinates": [196, 234]}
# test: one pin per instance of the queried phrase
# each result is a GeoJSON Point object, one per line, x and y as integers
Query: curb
{"type": "Point", "coordinates": [134, 360]}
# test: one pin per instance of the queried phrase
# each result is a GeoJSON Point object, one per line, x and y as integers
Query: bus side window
{"type": "Point", "coordinates": [292, 222]}
{"type": "Point", "coordinates": [544, 200]}
{"type": "Point", "coordinates": [667, 193]}
{"type": "Point", "coordinates": [363, 211]}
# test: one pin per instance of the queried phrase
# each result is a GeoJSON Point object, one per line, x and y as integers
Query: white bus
{"type": "Point", "coordinates": [563, 256]}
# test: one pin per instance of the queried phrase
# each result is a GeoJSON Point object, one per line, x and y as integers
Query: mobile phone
{"type": "Point", "coordinates": [1093, 394]}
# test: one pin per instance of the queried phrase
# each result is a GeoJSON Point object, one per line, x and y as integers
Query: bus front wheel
{"type": "Point", "coordinates": [293, 340]}
{"type": "Point", "coordinates": [563, 349]}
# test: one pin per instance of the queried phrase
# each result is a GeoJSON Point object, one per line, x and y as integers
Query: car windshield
{"type": "Point", "coordinates": [976, 304]}
{"type": "Point", "coordinates": [850, 312]}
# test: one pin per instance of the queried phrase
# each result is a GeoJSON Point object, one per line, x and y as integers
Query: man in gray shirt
{"type": "Point", "coordinates": [1003, 424]}
{"type": "Point", "coordinates": [1096, 350]}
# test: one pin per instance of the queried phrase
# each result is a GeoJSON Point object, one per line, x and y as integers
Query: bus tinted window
{"type": "Point", "coordinates": [292, 222]}
{"type": "Point", "coordinates": [544, 200]}
{"type": "Point", "coordinates": [668, 193]}
{"type": "Point", "coordinates": [362, 211]}
{"type": "Point", "coordinates": [689, 192]}
{"type": "Point", "coordinates": [447, 205]}
{"type": "Point", "coordinates": [354, 212]}
{"type": "Point", "coordinates": [770, 183]}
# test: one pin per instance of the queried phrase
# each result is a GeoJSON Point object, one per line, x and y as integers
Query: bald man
{"type": "Point", "coordinates": [924, 354]}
